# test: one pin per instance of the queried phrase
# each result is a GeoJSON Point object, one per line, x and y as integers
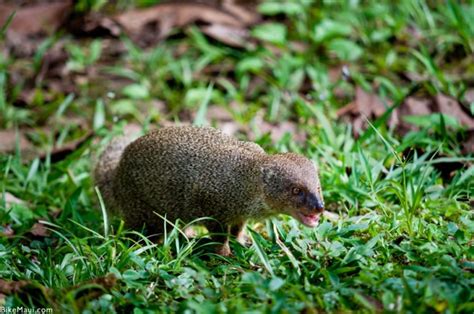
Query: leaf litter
{"type": "Point", "coordinates": [86, 291]}
{"type": "Point", "coordinates": [403, 119]}
{"type": "Point", "coordinates": [28, 151]}
{"type": "Point", "coordinates": [227, 23]}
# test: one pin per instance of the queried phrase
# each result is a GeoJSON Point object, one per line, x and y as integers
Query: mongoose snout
{"type": "Point", "coordinates": [311, 210]}
{"type": "Point", "coordinates": [186, 173]}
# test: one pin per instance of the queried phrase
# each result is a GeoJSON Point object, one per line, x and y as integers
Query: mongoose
{"type": "Point", "coordinates": [187, 172]}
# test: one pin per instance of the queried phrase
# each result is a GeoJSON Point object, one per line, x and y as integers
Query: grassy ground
{"type": "Point", "coordinates": [403, 241]}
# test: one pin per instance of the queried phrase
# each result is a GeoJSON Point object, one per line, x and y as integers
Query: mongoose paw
{"type": "Point", "coordinates": [224, 250]}
{"type": "Point", "coordinates": [244, 240]}
{"type": "Point", "coordinates": [190, 232]}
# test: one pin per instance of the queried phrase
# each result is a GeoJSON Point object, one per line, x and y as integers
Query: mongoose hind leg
{"type": "Point", "coordinates": [139, 216]}
{"type": "Point", "coordinates": [220, 234]}
{"type": "Point", "coordinates": [238, 231]}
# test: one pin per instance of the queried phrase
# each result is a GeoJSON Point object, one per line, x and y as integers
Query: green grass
{"type": "Point", "coordinates": [404, 239]}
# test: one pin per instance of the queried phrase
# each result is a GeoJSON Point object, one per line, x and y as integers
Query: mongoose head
{"type": "Point", "coordinates": [291, 186]}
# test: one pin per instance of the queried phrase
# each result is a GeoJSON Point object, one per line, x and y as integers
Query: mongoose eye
{"type": "Point", "coordinates": [296, 191]}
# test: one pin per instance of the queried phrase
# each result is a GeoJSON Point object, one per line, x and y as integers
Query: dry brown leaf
{"type": "Point", "coordinates": [43, 18]}
{"type": "Point", "coordinates": [40, 230]}
{"type": "Point", "coordinates": [218, 114]}
{"type": "Point", "coordinates": [246, 12]}
{"type": "Point", "coordinates": [230, 128]}
{"type": "Point", "coordinates": [278, 130]}
{"type": "Point", "coordinates": [411, 106]}
{"type": "Point", "coordinates": [24, 289]}
{"type": "Point", "coordinates": [223, 120]}
{"type": "Point", "coordinates": [9, 287]}
{"type": "Point", "coordinates": [364, 106]}
{"type": "Point", "coordinates": [31, 24]}
{"type": "Point", "coordinates": [370, 106]}
{"type": "Point", "coordinates": [94, 24]}
{"type": "Point", "coordinates": [377, 305]}
{"type": "Point", "coordinates": [469, 96]}
{"type": "Point", "coordinates": [468, 143]}
{"type": "Point", "coordinates": [232, 36]}
{"type": "Point", "coordinates": [453, 108]}
{"type": "Point", "coordinates": [86, 290]}
{"type": "Point", "coordinates": [9, 139]}
{"type": "Point", "coordinates": [59, 153]}
{"type": "Point", "coordinates": [417, 106]}
{"type": "Point", "coordinates": [7, 231]}
{"type": "Point", "coordinates": [53, 63]}
{"type": "Point", "coordinates": [11, 199]}
{"type": "Point", "coordinates": [335, 73]}
{"type": "Point", "coordinates": [152, 24]}
{"type": "Point", "coordinates": [28, 151]}
{"type": "Point", "coordinates": [132, 130]}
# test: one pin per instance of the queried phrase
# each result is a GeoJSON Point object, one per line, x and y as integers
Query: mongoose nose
{"type": "Point", "coordinates": [316, 203]}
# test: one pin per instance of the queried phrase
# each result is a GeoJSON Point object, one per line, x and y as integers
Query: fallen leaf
{"type": "Point", "coordinates": [244, 10]}
{"type": "Point", "coordinates": [364, 106]}
{"type": "Point", "coordinates": [468, 143]}
{"type": "Point", "coordinates": [335, 73]}
{"type": "Point", "coordinates": [469, 96]}
{"type": "Point", "coordinates": [369, 106]}
{"type": "Point", "coordinates": [376, 305]}
{"type": "Point", "coordinates": [422, 106]}
{"type": "Point", "coordinates": [232, 36]}
{"type": "Point", "coordinates": [7, 231]}
{"type": "Point", "coordinates": [32, 23]}
{"type": "Point", "coordinates": [452, 107]}
{"type": "Point", "coordinates": [11, 199]}
{"type": "Point", "coordinates": [412, 106]}
{"type": "Point", "coordinates": [277, 130]}
{"type": "Point", "coordinates": [59, 153]}
{"type": "Point", "coordinates": [9, 140]}
{"type": "Point", "coordinates": [132, 130]}
{"type": "Point", "coordinates": [9, 287]}
{"type": "Point", "coordinates": [53, 64]}
{"type": "Point", "coordinates": [230, 128]}
{"type": "Point", "coordinates": [148, 26]}
{"type": "Point", "coordinates": [223, 120]}
{"type": "Point", "coordinates": [218, 114]}
{"type": "Point", "coordinates": [24, 289]}
{"type": "Point", "coordinates": [40, 230]}
{"type": "Point", "coordinates": [36, 19]}
{"type": "Point", "coordinates": [94, 24]}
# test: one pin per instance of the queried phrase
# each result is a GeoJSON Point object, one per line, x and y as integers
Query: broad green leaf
{"type": "Point", "coordinates": [274, 33]}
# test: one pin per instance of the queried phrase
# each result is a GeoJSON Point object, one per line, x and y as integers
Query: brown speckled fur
{"type": "Point", "coordinates": [190, 172]}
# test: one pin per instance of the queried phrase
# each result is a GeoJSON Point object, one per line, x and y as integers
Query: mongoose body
{"type": "Point", "coordinates": [186, 173]}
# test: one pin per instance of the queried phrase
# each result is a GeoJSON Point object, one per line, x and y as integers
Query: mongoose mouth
{"type": "Point", "coordinates": [309, 220]}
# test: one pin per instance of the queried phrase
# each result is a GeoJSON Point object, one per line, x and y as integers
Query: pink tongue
{"type": "Point", "coordinates": [310, 219]}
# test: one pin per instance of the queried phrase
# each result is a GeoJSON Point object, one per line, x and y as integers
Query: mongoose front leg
{"type": "Point", "coordinates": [238, 231]}
{"type": "Point", "coordinates": [219, 233]}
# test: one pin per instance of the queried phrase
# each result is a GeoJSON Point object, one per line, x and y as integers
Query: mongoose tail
{"type": "Point", "coordinates": [105, 169]}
